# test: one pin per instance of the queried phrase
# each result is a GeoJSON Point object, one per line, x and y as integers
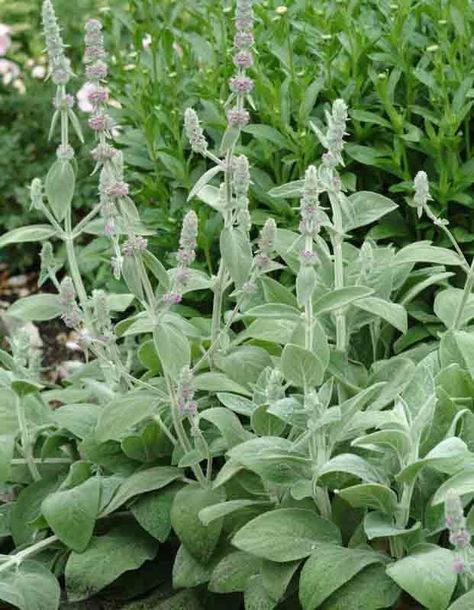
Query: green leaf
{"type": "Point", "coordinates": [448, 456]}
{"type": "Point", "coordinates": [237, 254]}
{"type": "Point", "coordinates": [59, 187]}
{"type": "Point", "coordinates": [105, 559]}
{"type": "Point", "coordinates": [352, 464]}
{"type": "Point", "coordinates": [427, 575]}
{"type": "Point", "coordinates": [256, 596]}
{"type": "Point", "coordinates": [172, 347]}
{"type": "Point", "coordinates": [8, 412]}
{"type": "Point", "coordinates": [301, 367]}
{"type": "Point", "coordinates": [329, 568]}
{"type": "Point", "coordinates": [228, 424]}
{"type": "Point", "coordinates": [341, 297]}
{"type": "Point", "coordinates": [370, 495]}
{"type": "Point", "coordinates": [21, 235]}
{"type": "Point", "coordinates": [285, 534]}
{"type": "Point", "coordinates": [188, 571]}
{"type": "Point", "coordinates": [288, 191]}
{"type": "Point", "coordinates": [211, 513]}
{"type": "Point", "coordinates": [71, 513]}
{"type": "Point", "coordinates": [270, 134]}
{"type": "Point", "coordinates": [152, 511]}
{"type": "Point", "coordinates": [277, 576]}
{"type": "Point", "coordinates": [203, 180]}
{"type": "Point", "coordinates": [233, 571]}
{"type": "Point", "coordinates": [422, 252]}
{"type": "Point", "coordinates": [372, 589]}
{"type": "Point", "coordinates": [215, 382]}
{"type": "Point", "coordinates": [363, 208]}
{"type": "Point", "coordinates": [238, 404]}
{"type": "Point", "coordinates": [273, 458]}
{"type": "Point", "coordinates": [393, 313]}
{"type": "Point", "coordinates": [36, 308]}
{"type": "Point", "coordinates": [29, 586]}
{"type": "Point", "coordinates": [123, 412]}
{"type": "Point", "coordinates": [379, 525]}
{"type": "Point", "coordinates": [274, 311]}
{"type": "Point", "coordinates": [465, 602]}
{"type": "Point", "coordinates": [80, 419]}
{"type": "Point", "coordinates": [200, 540]}
{"type": "Point", "coordinates": [305, 284]}
{"type": "Point", "coordinates": [27, 509]}
{"type": "Point", "coordinates": [142, 482]}
{"type": "Point", "coordinates": [462, 483]}
{"type": "Point", "coordinates": [365, 116]}
{"type": "Point", "coordinates": [272, 330]}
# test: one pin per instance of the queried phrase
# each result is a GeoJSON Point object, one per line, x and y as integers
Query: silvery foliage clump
{"type": "Point", "coordinates": [297, 442]}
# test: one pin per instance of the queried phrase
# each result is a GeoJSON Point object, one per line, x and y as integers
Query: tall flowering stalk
{"type": "Point", "coordinates": [233, 200]}
{"type": "Point", "coordinates": [309, 227]}
{"type": "Point", "coordinates": [333, 141]}
{"type": "Point", "coordinates": [460, 538]}
{"type": "Point", "coordinates": [421, 199]}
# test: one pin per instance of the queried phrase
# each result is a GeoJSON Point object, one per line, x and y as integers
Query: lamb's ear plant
{"type": "Point", "coordinates": [295, 444]}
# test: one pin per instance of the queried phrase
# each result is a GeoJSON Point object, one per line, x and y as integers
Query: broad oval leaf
{"type": "Point", "coordinates": [363, 208]}
{"type": "Point", "coordinates": [285, 534]}
{"type": "Point", "coordinates": [123, 412]}
{"type": "Point", "coordinates": [59, 187]}
{"type": "Point", "coordinates": [71, 513]}
{"type": "Point", "coordinates": [105, 559]}
{"type": "Point", "coordinates": [427, 575]}
{"type": "Point", "coordinates": [236, 253]}
{"type": "Point", "coordinates": [142, 482]}
{"type": "Point", "coordinates": [27, 234]}
{"type": "Point", "coordinates": [200, 540]}
{"type": "Point", "coordinates": [36, 308]}
{"type": "Point", "coordinates": [30, 586]}
{"type": "Point", "coordinates": [329, 568]}
{"type": "Point", "coordinates": [301, 367]}
{"type": "Point", "coordinates": [423, 252]}
{"type": "Point", "coordinates": [337, 299]}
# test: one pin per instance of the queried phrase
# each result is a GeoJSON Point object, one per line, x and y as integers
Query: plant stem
{"type": "Point", "coordinates": [465, 296]}
{"type": "Point", "coordinates": [308, 307]}
{"type": "Point", "coordinates": [28, 552]}
{"type": "Point", "coordinates": [181, 432]}
{"type": "Point", "coordinates": [26, 443]}
{"type": "Point", "coordinates": [219, 286]}
{"type": "Point", "coordinates": [337, 241]}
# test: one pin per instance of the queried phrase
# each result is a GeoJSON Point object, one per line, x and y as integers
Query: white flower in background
{"type": "Point", "coordinates": [9, 71]}
{"type": "Point", "coordinates": [19, 86]}
{"type": "Point", "coordinates": [38, 72]}
{"type": "Point", "coordinates": [146, 41]}
{"type": "Point", "coordinates": [83, 100]}
{"type": "Point", "coordinates": [5, 40]}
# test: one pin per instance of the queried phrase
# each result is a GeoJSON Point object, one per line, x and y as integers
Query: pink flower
{"type": "Point", "coordinates": [9, 71]}
{"type": "Point", "coordinates": [83, 100]}
{"type": "Point", "coordinates": [5, 40]}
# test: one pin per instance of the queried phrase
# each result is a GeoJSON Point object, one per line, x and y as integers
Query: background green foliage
{"type": "Point", "coordinates": [405, 70]}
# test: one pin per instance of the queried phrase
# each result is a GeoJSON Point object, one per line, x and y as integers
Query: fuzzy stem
{"type": "Point", "coordinates": [337, 241]}
{"type": "Point", "coordinates": [219, 286]}
{"type": "Point", "coordinates": [26, 441]}
{"type": "Point", "coordinates": [16, 559]}
{"type": "Point", "coordinates": [181, 432]}
{"type": "Point", "coordinates": [465, 296]}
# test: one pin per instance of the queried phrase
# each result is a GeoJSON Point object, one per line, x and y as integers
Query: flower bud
{"type": "Point", "coordinates": [36, 194]}
{"type": "Point", "coordinates": [194, 132]}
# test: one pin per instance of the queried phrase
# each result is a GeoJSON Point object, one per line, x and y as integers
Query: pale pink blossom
{"type": "Point", "coordinates": [5, 40]}
{"type": "Point", "coordinates": [9, 71]}
{"type": "Point", "coordinates": [146, 41]}
{"type": "Point", "coordinates": [83, 97]}
{"type": "Point", "coordinates": [38, 72]}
